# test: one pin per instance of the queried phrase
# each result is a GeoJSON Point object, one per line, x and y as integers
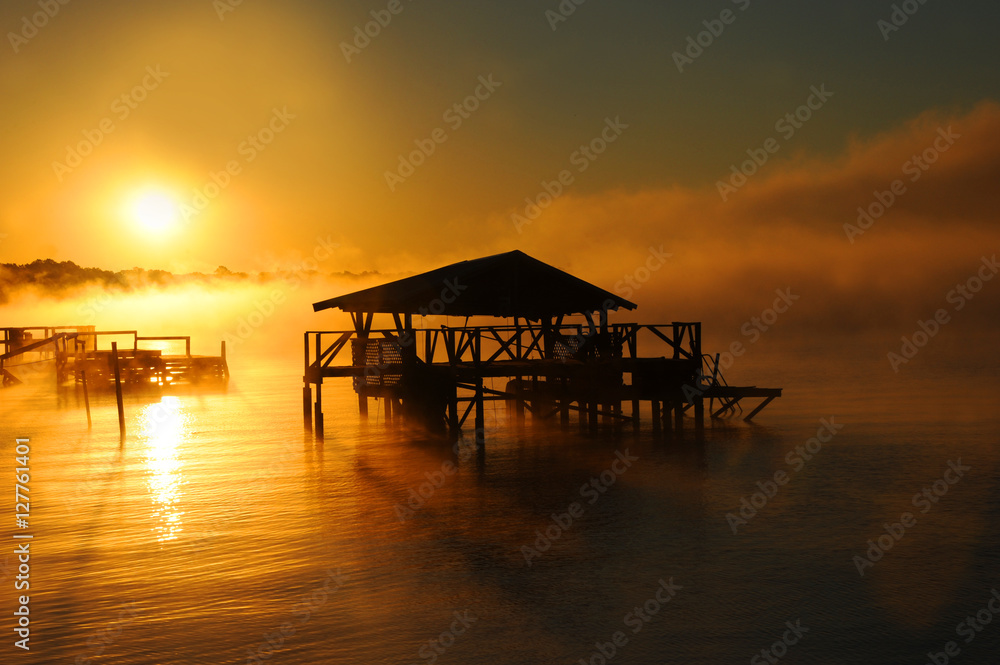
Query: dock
{"type": "Point", "coordinates": [561, 355]}
{"type": "Point", "coordinates": [75, 353]}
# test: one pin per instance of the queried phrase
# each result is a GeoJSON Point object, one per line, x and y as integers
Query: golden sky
{"type": "Point", "coordinates": [312, 118]}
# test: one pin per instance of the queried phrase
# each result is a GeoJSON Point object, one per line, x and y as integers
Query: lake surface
{"type": "Point", "coordinates": [220, 521]}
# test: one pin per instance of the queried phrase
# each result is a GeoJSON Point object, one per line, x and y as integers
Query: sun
{"type": "Point", "coordinates": [154, 212]}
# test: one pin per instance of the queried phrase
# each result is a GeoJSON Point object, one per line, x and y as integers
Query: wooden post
{"type": "Point", "coordinates": [318, 415]}
{"type": "Point", "coordinates": [656, 417]}
{"type": "Point", "coordinates": [480, 407]}
{"type": "Point", "coordinates": [318, 406]}
{"type": "Point", "coordinates": [699, 414]}
{"type": "Point", "coordinates": [679, 415]}
{"type": "Point", "coordinates": [519, 402]}
{"type": "Point", "coordinates": [306, 390]}
{"type": "Point", "coordinates": [225, 363]}
{"type": "Point", "coordinates": [307, 407]}
{"type": "Point", "coordinates": [563, 403]}
{"type": "Point", "coordinates": [118, 390]}
{"type": "Point", "coordinates": [453, 412]}
{"type": "Point", "coordinates": [86, 398]}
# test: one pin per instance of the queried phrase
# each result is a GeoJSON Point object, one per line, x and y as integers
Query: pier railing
{"type": "Point", "coordinates": [477, 345]}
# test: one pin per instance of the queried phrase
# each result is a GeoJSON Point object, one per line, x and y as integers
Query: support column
{"type": "Point", "coordinates": [453, 412]}
{"type": "Point", "coordinates": [480, 408]}
{"type": "Point", "coordinates": [699, 414]}
{"type": "Point", "coordinates": [563, 403]}
{"type": "Point", "coordinates": [318, 413]}
{"type": "Point", "coordinates": [656, 417]}
{"type": "Point", "coordinates": [307, 421]}
{"type": "Point", "coordinates": [519, 402]}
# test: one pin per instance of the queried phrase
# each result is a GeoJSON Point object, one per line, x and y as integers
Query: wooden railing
{"type": "Point", "coordinates": [488, 344]}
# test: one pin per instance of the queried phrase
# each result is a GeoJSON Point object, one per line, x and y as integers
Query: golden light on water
{"type": "Point", "coordinates": [163, 428]}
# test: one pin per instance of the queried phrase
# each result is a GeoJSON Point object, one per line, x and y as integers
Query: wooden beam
{"type": "Point", "coordinates": [759, 408]}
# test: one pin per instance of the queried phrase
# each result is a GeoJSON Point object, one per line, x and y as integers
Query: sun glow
{"type": "Point", "coordinates": [153, 211]}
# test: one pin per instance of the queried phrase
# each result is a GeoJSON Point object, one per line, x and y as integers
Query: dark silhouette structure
{"type": "Point", "coordinates": [552, 366]}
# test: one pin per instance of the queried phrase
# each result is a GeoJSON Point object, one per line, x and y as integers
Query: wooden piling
{"type": "Point", "coordinates": [86, 398]}
{"type": "Point", "coordinates": [318, 415]}
{"type": "Point", "coordinates": [307, 407]}
{"type": "Point", "coordinates": [480, 408]}
{"type": "Point", "coordinates": [453, 417]}
{"type": "Point", "coordinates": [118, 390]}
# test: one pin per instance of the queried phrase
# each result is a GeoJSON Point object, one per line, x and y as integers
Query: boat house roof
{"type": "Point", "coordinates": [503, 285]}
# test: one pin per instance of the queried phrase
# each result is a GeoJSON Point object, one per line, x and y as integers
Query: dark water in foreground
{"type": "Point", "coordinates": [219, 522]}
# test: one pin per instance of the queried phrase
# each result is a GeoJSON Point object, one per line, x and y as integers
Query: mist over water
{"type": "Point", "coordinates": [219, 520]}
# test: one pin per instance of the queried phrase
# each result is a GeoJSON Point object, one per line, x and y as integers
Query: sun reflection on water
{"type": "Point", "coordinates": [163, 427]}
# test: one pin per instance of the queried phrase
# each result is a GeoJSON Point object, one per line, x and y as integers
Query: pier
{"type": "Point", "coordinates": [76, 353]}
{"type": "Point", "coordinates": [561, 356]}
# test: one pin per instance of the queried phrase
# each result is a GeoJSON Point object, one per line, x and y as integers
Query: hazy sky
{"type": "Point", "coordinates": [200, 78]}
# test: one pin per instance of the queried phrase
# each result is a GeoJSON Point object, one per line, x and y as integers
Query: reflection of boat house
{"type": "Point", "coordinates": [552, 366]}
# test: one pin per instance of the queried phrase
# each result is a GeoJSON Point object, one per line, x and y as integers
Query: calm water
{"type": "Point", "coordinates": [219, 522]}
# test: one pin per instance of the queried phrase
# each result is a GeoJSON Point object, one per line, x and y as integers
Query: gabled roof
{"type": "Point", "coordinates": [503, 285]}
